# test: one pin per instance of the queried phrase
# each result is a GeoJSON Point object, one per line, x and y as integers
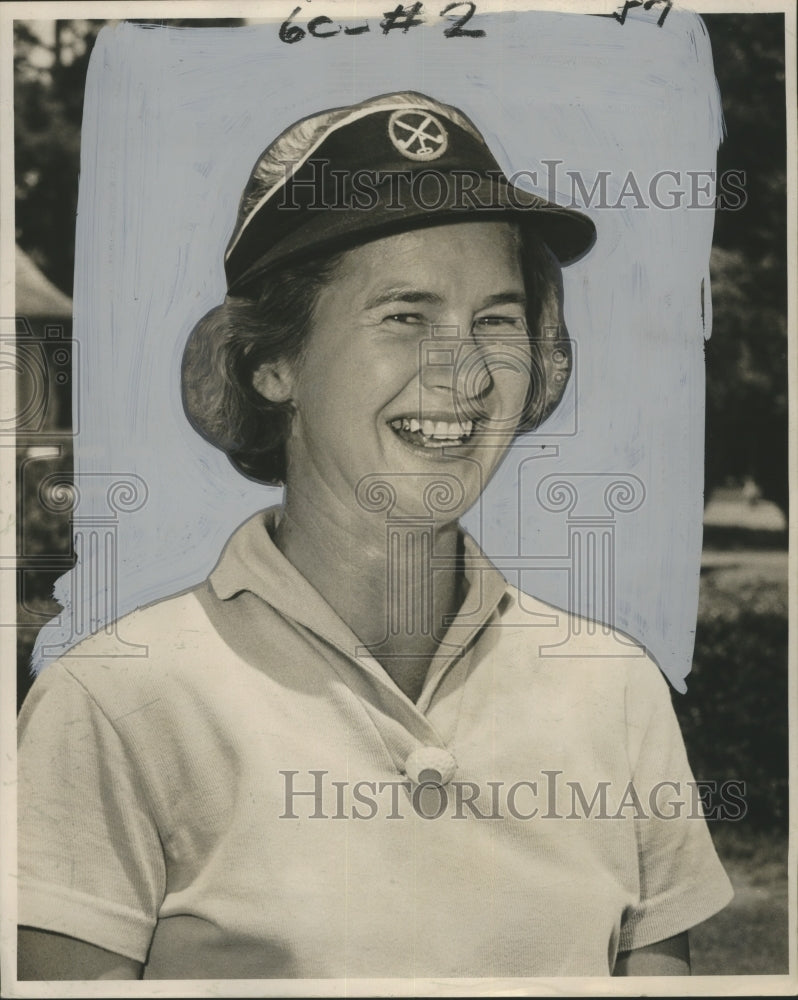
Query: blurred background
{"type": "Point", "coordinates": [734, 715]}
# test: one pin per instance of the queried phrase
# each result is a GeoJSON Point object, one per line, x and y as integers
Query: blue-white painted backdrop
{"type": "Point", "coordinates": [174, 120]}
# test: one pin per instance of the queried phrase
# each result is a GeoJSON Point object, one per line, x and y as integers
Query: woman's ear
{"type": "Point", "coordinates": [274, 381]}
{"type": "Point", "coordinates": [554, 344]}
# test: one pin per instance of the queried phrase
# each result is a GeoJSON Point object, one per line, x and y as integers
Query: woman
{"type": "Point", "coordinates": [347, 754]}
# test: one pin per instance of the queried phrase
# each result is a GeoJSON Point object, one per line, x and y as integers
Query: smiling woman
{"type": "Point", "coordinates": [354, 656]}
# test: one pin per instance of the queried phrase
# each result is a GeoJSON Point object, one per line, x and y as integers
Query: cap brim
{"type": "Point", "coordinates": [568, 233]}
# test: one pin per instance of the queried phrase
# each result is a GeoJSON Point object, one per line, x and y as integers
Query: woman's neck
{"type": "Point", "coordinates": [377, 574]}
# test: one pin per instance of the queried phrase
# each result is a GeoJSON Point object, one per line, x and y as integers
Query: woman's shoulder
{"type": "Point", "coordinates": [576, 651]}
{"type": "Point", "coordinates": [164, 622]}
{"type": "Point", "coordinates": [145, 649]}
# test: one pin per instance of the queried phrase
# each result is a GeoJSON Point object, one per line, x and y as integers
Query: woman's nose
{"type": "Point", "coordinates": [455, 364]}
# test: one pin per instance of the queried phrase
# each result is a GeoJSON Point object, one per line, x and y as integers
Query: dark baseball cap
{"type": "Point", "coordinates": [396, 162]}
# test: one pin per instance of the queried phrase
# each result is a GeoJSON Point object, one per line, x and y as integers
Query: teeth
{"type": "Point", "coordinates": [437, 430]}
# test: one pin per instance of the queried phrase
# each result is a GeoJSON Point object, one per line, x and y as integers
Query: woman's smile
{"type": "Point", "coordinates": [433, 433]}
{"type": "Point", "coordinates": [418, 354]}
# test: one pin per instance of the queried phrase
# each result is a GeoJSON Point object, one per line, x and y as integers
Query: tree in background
{"type": "Point", "coordinates": [49, 79]}
{"type": "Point", "coordinates": [747, 353]}
{"type": "Point", "coordinates": [50, 64]}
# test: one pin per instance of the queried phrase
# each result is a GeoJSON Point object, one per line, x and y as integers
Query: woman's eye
{"type": "Point", "coordinates": [406, 319]}
{"type": "Point", "coordinates": [499, 321]}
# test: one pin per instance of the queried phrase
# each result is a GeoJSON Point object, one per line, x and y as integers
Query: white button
{"type": "Point", "coordinates": [430, 764]}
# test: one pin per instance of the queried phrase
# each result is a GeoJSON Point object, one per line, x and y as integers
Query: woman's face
{"type": "Point", "coordinates": [417, 366]}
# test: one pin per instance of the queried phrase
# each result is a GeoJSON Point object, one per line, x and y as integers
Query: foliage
{"type": "Point", "coordinates": [751, 936]}
{"type": "Point", "coordinates": [734, 715]}
{"type": "Point", "coordinates": [48, 106]}
{"type": "Point", "coordinates": [49, 80]}
{"type": "Point", "coordinates": [747, 354]}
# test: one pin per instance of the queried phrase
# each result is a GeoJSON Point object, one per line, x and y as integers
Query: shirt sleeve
{"type": "Point", "coordinates": [90, 860]}
{"type": "Point", "coordinates": [682, 881]}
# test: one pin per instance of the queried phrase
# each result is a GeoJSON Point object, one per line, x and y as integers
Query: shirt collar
{"type": "Point", "coordinates": [252, 562]}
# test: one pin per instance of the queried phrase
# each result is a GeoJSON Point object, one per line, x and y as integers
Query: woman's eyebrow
{"type": "Point", "coordinates": [432, 298]}
{"type": "Point", "coordinates": [504, 299]}
{"type": "Point", "coordinates": [403, 295]}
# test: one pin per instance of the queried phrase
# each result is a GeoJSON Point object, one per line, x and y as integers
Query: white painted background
{"type": "Point", "coordinates": [174, 120]}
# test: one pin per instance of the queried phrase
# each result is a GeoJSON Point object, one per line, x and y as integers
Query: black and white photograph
{"type": "Point", "coordinates": [397, 429]}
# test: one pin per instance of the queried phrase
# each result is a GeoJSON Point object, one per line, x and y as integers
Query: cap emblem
{"type": "Point", "coordinates": [418, 135]}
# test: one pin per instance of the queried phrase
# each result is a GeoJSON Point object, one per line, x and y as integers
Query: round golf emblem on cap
{"type": "Point", "coordinates": [418, 135]}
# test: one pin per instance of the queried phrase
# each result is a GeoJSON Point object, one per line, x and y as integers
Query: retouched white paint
{"type": "Point", "coordinates": [174, 120]}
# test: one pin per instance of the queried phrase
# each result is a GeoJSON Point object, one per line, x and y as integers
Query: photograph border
{"type": "Point", "coordinates": [277, 11]}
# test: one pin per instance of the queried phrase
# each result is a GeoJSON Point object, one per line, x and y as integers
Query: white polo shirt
{"type": "Point", "coordinates": [236, 803]}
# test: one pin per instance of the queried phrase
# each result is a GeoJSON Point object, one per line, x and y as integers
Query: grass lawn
{"type": "Point", "coordinates": [734, 718]}
{"type": "Point", "coordinates": [750, 936]}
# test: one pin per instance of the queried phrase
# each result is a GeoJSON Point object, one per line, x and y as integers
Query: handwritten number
{"type": "Point", "coordinates": [401, 18]}
{"type": "Point", "coordinates": [314, 25]}
{"type": "Point", "coordinates": [621, 18]}
{"type": "Point", "coordinates": [406, 17]}
{"type": "Point", "coordinates": [457, 30]}
{"type": "Point", "coordinates": [647, 5]}
{"type": "Point", "coordinates": [668, 4]}
{"type": "Point", "coordinates": [291, 33]}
